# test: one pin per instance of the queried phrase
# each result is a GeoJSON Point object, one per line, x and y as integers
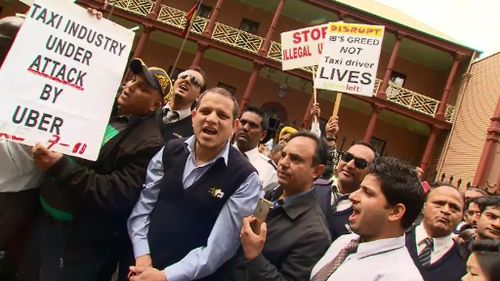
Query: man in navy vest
{"type": "Point", "coordinates": [174, 117]}
{"type": "Point", "coordinates": [197, 191]}
{"type": "Point", "coordinates": [431, 244]}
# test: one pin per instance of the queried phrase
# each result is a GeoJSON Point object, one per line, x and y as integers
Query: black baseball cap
{"type": "Point", "coordinates": [157, 77]}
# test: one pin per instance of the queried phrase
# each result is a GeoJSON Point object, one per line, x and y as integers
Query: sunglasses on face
{"type": "Point", "coordinates": [360, 163]}
{"type": "Point", "coordinates": [193, 80]}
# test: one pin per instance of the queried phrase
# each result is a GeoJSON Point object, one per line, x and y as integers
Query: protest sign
{"type": "Point", "coordinates": [350, 58]}
{"type": "Point", "coordinates": [61, 77]}
{"type": "Point", "coordinates": [302, 47]}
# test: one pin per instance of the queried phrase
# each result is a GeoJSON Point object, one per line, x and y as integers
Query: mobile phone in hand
{"type": "Point", "coordinates": [260, 214]}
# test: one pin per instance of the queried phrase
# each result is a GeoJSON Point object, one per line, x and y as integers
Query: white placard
{"type": "Point", "coordinates": [61, 77]}
{"type": "Point", "coordinates": [350, 58]}
{"type": "Point", "coordinates": [302, 47]}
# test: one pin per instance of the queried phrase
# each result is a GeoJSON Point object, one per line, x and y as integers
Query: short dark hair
{"type": "Point", "coordinates": [400, 184]}
{"type": "Point", "coordinates": [222, 92]}
{"type": "Point", "coordinates": [469, 201]}
{"type": "Point", "coordinates": [364, 143]}
{"type": "Point", "coordinates": [264, 124]}
{"type": "Point", "coordinates": [488, 201]}
{"type": "Point", "coordinates": [9, 26]}
{"type": "Point", "coordinates": [488, 257]}
{"type": "Point", "coordinates": [203, 74]}
{"type": "Point", "coordinates": [321, 152]}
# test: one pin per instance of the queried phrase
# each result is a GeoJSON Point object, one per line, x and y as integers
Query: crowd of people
{"type": "Point", "coordinates": [173, 196]}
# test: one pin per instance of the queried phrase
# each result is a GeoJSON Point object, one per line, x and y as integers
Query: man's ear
{"type": "Point", "coordinates": [155, 104]}
{"type": "Point", "coordinates": [236, 125]}
{"type": "Point", "coordinates": [397, 212]}
{"type": "Point", "coordinates": [318, 170]}
{"type": "Point", "coordinates": [263, 136]}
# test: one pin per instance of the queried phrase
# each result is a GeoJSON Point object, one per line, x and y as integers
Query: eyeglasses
{"type": "Point", "coordinates": [360, 163]}
{"type": "Point", "coordinates": [193, 80]}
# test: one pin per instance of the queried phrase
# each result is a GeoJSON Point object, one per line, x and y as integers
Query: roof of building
{"type": "Point", "coordinates": [398, 17]}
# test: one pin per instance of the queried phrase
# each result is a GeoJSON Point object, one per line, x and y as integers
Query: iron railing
{"type": "Point", "coordinates": [249, 42]}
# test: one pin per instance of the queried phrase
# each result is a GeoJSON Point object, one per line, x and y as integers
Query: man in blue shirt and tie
{"type": "Point", "coordinates": [187, 221]}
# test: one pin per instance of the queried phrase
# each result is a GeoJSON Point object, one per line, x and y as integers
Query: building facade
{"type": "Point", "coordinates": [472, 153]}
{"type": "Point", "coordinates": [237, 42]}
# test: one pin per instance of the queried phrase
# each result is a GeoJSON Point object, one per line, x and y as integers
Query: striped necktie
{"type": "Point", "coordinates": [328, 269]}
{"type": "Point", "coordinates": [425, 255]}
{"type": "Point", "coordinates": [336, 198]}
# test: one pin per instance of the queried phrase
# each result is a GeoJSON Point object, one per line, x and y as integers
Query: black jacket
{"type": "Point", "coordinates": [97, 197]}
{"type": "Point", "coordinates": [297, 237]}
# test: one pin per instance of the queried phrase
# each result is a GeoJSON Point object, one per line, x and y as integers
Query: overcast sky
{"type": "Point", "coordinates": [475, 23]}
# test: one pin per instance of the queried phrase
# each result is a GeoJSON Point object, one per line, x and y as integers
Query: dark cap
{"type": "Point", "coordinates": [9, 26]}
{"type": "Point", "coordinates": [157, 77]}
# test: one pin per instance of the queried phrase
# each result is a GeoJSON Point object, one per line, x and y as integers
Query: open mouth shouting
{"type": "Point", "coordinates": [209, 131]}
{"type": "Point", "coordinates": [353, 218]}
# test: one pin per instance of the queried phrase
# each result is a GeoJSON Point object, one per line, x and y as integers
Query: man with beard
{"type": "Point", "coordinates": [175, 117]}
{"type": "Point", "coordinates": [187, 221]}
{"type": "Point", "coordinates": [83, 233]}
{"type": "Point", "coordinates": [388, 201]}
{"type": "Point", "coordinates": [253, 126]}
{"type": "Point", "coordinates": [488, 224]}
{"type": "Point", "coordinates": [431, 243]}
{"type": "Point", "coordinates": [351, 170]}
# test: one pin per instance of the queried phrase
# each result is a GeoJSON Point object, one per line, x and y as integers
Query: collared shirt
{"type": "Point", "coordinates": [17, 169]}
{"type": "Point", "coordinates": [183, 113]}
{"type": "Point", "coordinates": [267, 172]}
{"type": "Point", "coordinates": [342, 205]}
{"type": "Point", "coordinates": [222, 242]}
{"type": "Point", "coordinates": [382, 260]}
{"type": "Point", "coordinates": [297, 236]}
{"type": "Point", "coordinates": [441, 245]}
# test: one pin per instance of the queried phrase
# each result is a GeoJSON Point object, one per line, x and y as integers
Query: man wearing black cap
{"type": "Point", "coordinates": [86, 204]}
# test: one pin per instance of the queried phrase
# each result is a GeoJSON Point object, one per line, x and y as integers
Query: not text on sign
{"type": "Point", "coordinates": [350, 58]}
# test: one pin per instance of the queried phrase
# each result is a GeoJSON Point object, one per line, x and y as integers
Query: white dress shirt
{"type": "Point", "coordinates": [267, 172]}
{"type": "Point", "coordinates": [441, 245]}
{"type": "Point", "coordinates": [381, 260]}
{"type": "Point", "coordinates": [17, 169]}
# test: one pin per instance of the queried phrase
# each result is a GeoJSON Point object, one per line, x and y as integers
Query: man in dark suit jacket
{"type": "Point", "coordinates": [295, 234]}
{"type": "Point", "coordinates": [86, 204]}
{"type": "Point", "coordinates": [175, 117]}
{"type": "Point", "coordinates": [431, 245]}
{"type": "Point", "coordinates": [334, 200]}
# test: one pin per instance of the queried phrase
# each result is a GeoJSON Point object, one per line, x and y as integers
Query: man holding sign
{"type": "Point", "coordinates": [86, 204]}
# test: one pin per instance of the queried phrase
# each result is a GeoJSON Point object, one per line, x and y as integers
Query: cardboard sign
{"type": "Point", "coordinates": [61, 77]}
{"type": "Point", "coordinates": [350, 58]}
{"type": "Point", "coordinates": [302, 47]}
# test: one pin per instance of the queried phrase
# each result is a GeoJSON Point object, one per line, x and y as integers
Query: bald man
{"type": "Point", "coordinates": [431, 244]}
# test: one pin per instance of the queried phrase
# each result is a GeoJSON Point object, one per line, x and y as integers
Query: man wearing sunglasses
{"type": "Point", "coordinates": [351, 171]}
{"type": "Point", "coordinates": [174, 117]}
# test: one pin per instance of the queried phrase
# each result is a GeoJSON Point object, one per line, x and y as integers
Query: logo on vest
{"type": "Point", "coordinates": [177, 135]}
{"type": "Point", "coordinates": [216, 192]}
